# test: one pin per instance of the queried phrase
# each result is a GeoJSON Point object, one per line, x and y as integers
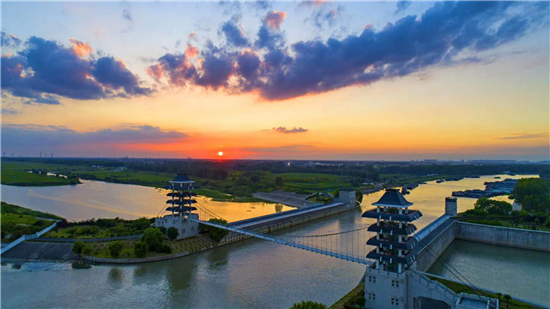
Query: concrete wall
{"type": "Point", "coordinates": [27, 237]}
{"type": "Point", "coordinates": [503, 236]}
{"type": "Point", "coordinates": [186, 228]}
{"type": "Point", "coordinates": [431, 250]}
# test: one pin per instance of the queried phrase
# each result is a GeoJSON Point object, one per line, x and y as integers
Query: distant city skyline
{"type": "Point", "coordinates": [316, 80]}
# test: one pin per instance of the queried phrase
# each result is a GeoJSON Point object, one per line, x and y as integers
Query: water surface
{"type": "Point", "coordinates": [248, 274]}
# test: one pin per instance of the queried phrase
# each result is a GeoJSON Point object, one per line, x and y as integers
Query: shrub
{"type": "Point", "coordinates": [476, 212]}
{"type": "Point", "coordinates": [115, 248]}
{"type": "Point", "coordinates": [163, 230]}
{"type": "Point", "coordinates": [154, 238]}
{"type": "Point", "coordinates": [165, 249]}
{"type": "Point", "coordinates": [173, 233]}
{"type": "Point", "coordinates": [140, 250]}
{"type": "Point", "coordinates": [87, 250]}
{"type": "Point", "coordinates": [216, 233]}
{"type": "Point", "coordinates": [308, 304]}
{"type": "Point", "coordinates": [78, 246]}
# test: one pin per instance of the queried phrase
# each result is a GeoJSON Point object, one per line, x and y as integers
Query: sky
{"type": "Point", "coordinates": [317, 80]}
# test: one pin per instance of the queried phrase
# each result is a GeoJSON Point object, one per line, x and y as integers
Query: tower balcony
{"type": "Point", "coordinates": [381, 256]}
{"type": "Point", "coordinates": [181, 188]}
{"type": "Point", "coordinates": [392, 215]}
{"type": "Point", "coordinates": [181, 194]}
{"type": "Point", "coordinates": [182, 209]}
{"type": "Point", "coordinates": [178, 202]}
{"type": "Point", "coordinates": [392, 229]}
{"type": "Point", "coordinates": [392, 244]}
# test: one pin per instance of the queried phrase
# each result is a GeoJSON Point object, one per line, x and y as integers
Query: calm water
{"type": "Point", "coordinates": [518, 272]}
{"type": "Point", "coordinates": [249, 274]}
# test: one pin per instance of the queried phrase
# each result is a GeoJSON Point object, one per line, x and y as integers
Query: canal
{"type": "Point", "coordinates": [248, 274]}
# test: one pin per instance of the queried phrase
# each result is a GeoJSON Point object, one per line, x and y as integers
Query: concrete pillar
{"type": "Point", "coordinates": [451, 206]}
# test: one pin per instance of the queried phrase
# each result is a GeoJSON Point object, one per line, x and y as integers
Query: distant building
{"type": "Point", "coordinates": [181, 209]}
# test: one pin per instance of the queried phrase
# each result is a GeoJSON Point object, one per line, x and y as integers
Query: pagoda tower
{"type": "Point", "coordinates": [393, 241]}
{"type": "Point", "coordinates": [180, 207]}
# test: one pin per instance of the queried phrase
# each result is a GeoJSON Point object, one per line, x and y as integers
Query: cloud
{"type": "Point", "coordinates": [8, 111]}
{"type": "Point", "coordinates": [175, 67]}
{"type": "Point", "coordinates": [46, 67]}
{"type": "Point", "coordinates": [81, 49]}
{"type": "Point", "coordinates": [192, 35]}
{"type": "Point", "coordinates": [191, 51]}
{"type": "Point", "coordinates": [274, 19]}
{"type": "Point", "coordinates": [325, 17]}
{"type": "Point", "coordinates": [525, 136]}
{"type": "Point", "coordinates": [34, 138]}
{"type": "Point", "coordinates": [402, 6]}
{"type": "Point", "coordinates": [287, 131]}
{"type": "Point", "coordinates": [269, 35]}
{"type": "Point", "coordinates": [259, 5]}
{"type": "Point", "coordinates": [127, 15]}
{"type": "Point", "coordinates": [233, 33]}
{"type": "Point", "coordinates": [10, 40]}
{"type": "Point", "coordinates": [46, 99]}
{"type": "Point", "coordinates": [447, 34]}
{"type": "Point", "coordinates": [230, 7]}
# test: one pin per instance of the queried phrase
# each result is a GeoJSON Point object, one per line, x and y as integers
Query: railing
{"type": "Point", "coordinates": [431, 227]}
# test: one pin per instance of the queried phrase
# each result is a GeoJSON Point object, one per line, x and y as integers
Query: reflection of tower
{"type": "Point", "coordinates": [393, 240]}
{"type": "Point", "coordinates": [181, 199]}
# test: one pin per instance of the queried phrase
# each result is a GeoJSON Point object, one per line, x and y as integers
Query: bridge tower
{"type": "Point", "coordinates": [393, 253]}
{"type": "Point", "coordinates": [180, 207]}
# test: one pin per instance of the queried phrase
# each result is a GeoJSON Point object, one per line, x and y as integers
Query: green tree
{"type": "Point", "coordinates": [87, 250]}
{"type": "Point", "coordinates": [279, 181]}
{"type": "Point", "coordinates": [308, 304]}
{"type": "Point", "coordinates": [172, 233]}
{"type": "Point", "coordinates": [77, 247]}
{"type": "Point", "coordinates": [140, 250]}
{"type": "Point", "coordinates": [216, 233]}
{"type": "Point", "coordinates": [507, 298]}
{"type": "Point", "coordinates": [154, 238]}
{"type": "Point", "coordinates": [115, 248]}
{"type": "Point", "coordinates": [358, 196]}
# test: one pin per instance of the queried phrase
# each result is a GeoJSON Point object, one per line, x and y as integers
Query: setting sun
{"type": "Point", "coordinates": [220, 153]}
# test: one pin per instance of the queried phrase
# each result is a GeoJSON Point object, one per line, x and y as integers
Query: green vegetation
{"type": "Point", "coordinates": [16, 174]}
{"type": "Point", "coordinates": [140, 250]}
{"type": "Point", "coordinates": [493, 207]}
{"type": "Point", "coordinates": [115, 248]}
{"type": "Point", "coordinates": [100, 228]}
{"type": "Point", "coordinates": [308, 304]}
{"type": "Point", "coordinates": [18, 210]}
{"type": "Point", "coordinates": [533, 194]}
{"type": "Point", "coordinates": [215, 233]}
{"type": "Point", "coordinates": [354, 299]}
{"type": "Point", "coordinates": [18, 221]}
{"type": "Point", "coordinates": [153, 238]}
{"type": "Point", "coordinates": [78, 246]}
{"type": "Point", "coordinates": [172, 233]}
{"type": "Point", "coordinates": [461, 288]}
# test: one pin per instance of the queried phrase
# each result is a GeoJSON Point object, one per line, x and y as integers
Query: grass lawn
{"type": "Point", "coordinates": [16, 174]}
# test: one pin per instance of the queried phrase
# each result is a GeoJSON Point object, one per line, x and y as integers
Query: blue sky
{"type": "Point", "coordinates": [246, 67]}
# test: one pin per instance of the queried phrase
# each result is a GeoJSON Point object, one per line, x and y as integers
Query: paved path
{"type": "Point", "coordinates": [41, 251]}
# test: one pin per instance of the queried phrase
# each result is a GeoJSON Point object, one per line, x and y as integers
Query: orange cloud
{"type": "Point", "coordinates": [81, 49]}
{"type": "Point", "coordinates": [191, 51]}
{"type": "Point", "coordinates": [275, 18]}
{"type": "Point", "coordinates": [192, 35]}
{"type": "Point", "coordinates": [155, 71]}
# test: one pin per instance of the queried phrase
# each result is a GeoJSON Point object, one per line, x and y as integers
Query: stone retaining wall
{"type": "Point", "coordinates": [504, 236]}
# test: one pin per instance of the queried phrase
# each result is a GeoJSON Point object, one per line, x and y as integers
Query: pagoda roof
{"type": "Point", "coordinates": [181, 178]}
{"type": "Point", "coordinates": [407, 259]}
{"type": "Point", "coordinates": [183, 209]}
{"type": "Point", "coordinates": [184, 202]}
{"type": "Point", "coordinates": [391, 229]}
{"type": "Point", "coordinates": [392, 198]}
{"type": "Point", "coordinates": [407, 245]}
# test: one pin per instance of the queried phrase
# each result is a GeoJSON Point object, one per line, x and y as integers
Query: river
{"type": "Point", "coordinates": [248, 274]}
